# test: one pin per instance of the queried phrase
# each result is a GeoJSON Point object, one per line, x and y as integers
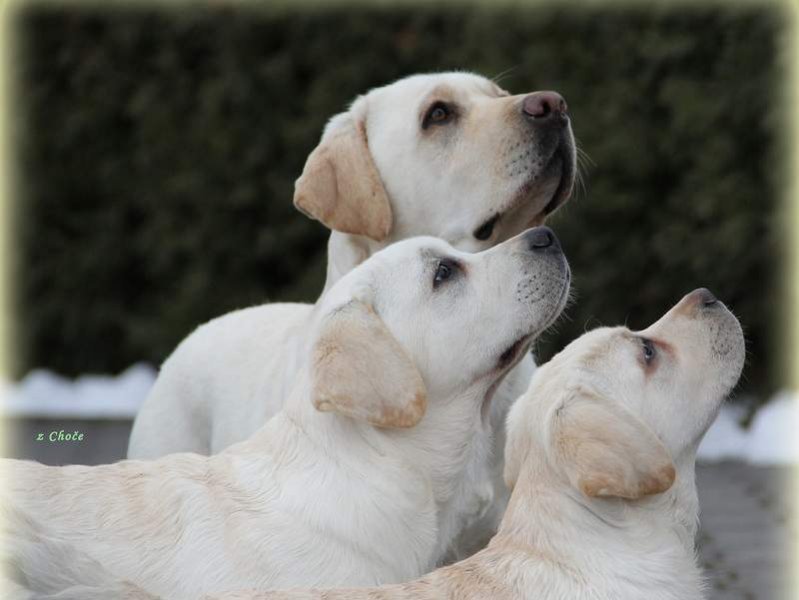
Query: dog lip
{"type": "Point", "coordinates": [559, 196]}
{"type": "Point", "coordinates": [514, 352]}
{"type": "Point", "coordinates": [564, 189]}
{"type": "Point", "coordinates": [510, 357]}
{"type": "Point", "coordinates": [517, 350]}
{"type": "Point", "coordinates": [486, 230]}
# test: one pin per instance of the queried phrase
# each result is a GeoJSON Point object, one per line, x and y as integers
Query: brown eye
{"type": "Point", "coordinates": [649, 351]}
{"type": "Point", "coordinates": [439, 113]}
{"type": "Point", "coordinates": [445, 270]}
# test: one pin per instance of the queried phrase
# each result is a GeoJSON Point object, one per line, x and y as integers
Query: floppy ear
{"type": "Point", "coordinates": [607, 451]}
{"type": "Point", "coordinates": [340, 185]}
{"type": "Point", "coordinates": [361, 371]}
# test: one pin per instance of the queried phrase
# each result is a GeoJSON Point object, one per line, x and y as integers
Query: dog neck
{"type": "Point", "coordinates": [433, 448]}
{"type": "Point", "coordinates": [613, 547]}
{"type": "Point", "coordinates": [419, 469]}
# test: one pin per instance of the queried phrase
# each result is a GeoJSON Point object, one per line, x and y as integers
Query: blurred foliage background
{"type": "Point", "coordinates": [157, 151]}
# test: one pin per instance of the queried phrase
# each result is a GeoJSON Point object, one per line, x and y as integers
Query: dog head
{"type": "Point", "coordinates": [620, 413]}
{"type": "Point", "coordinates": [421, 322]}
{"type": "Point", "coordinates": [449, 155]}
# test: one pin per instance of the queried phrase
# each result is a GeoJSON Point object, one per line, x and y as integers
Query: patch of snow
{"type": "Point", "coordinates": [770, 439]}
{"type": "Point", "coordinates": [44, 394]}
{"type": "Point", "coordinates": [726, 439]}
{"type": "Point", "coordinates": [772, 436]}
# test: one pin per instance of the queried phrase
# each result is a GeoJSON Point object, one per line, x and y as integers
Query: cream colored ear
{"type": "Point", "coordinates": [361, 371]}
{"type": "Point", "coordinates": [606, 451]}
{"type": "Point", "coordinates": [340, 185]}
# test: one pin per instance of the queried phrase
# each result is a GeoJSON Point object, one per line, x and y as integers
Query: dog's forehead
{"type": "Point", "coordinates": [455, 84]}
{"type": "Point", "coordinates": [389, 278]}
{"type": "Point", "coordinates": [590, 358]}
{"type": "Point", "coordinates": [596, 345]}
{"type": "Point", "coordinates": [415, 250]}
{"type": "Point", "coordinates": [587, 363]}
{"type": "Point", "coordinates": [394, 267]}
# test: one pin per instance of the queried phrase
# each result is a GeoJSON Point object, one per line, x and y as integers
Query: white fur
{"type": "Point", "coordinates": [564, 538]}
{"type": "Point", "coordinates": [231, 375]}
{"type": "Point", "coordinates": [315, 498]}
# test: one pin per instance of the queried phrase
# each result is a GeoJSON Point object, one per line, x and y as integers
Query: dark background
{"type": "Point", "coordinates": [157, 152]}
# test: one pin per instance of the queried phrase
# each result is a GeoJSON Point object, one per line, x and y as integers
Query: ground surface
{"type": "Point", "coordinates": [745, 531]}
{"type": "Point", "coordinates": [742, 543]}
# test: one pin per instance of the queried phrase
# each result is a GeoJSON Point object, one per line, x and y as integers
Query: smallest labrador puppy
{"type": "Point", "coordinates": [600, 457]}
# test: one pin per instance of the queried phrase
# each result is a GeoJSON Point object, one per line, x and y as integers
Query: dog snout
{"type": "Point", "coordinates": [541, 239]}
{"type": "Point", "coordinates": [545, 107]}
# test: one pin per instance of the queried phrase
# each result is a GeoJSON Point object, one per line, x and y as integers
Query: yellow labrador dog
{"type": "Point", "coordinates": [600, 456]}
{"type": "Point", "coordinates": [450, 155]}
{"type": "Point", "coordinates": [353, 482]}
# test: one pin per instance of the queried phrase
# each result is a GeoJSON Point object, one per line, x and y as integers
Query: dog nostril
{"type": "Point", "coordinates": [706, 297]}
{"type": "Point", "coordinates": [541, 238]}
{"type": "Point", "coordinates": [541, 105]}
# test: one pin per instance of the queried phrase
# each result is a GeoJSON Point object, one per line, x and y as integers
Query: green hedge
{"type": "Point", "coordinates": [158, 151]}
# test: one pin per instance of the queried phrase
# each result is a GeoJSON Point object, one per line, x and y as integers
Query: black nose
{"type": "Point", "coordinates": [542, 239]}
{"type": "Point", "coordinates": [705, 297]}
{"type": "Point", "coordinates": [545, 106]}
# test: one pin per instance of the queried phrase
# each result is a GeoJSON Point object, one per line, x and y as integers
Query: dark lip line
{"type": "Point", "coordinates": [524, 343]}
{"type": "Point", "coordinates": [559, 196]}
{"type": "Point", "coordinates": [564, 294]}
{"type": "Point", "coordinates": [512, 353]}
{"type": "Point", "coordinates": [561, 193]}
{"type": "Point", "coordinates": [527, 338]}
